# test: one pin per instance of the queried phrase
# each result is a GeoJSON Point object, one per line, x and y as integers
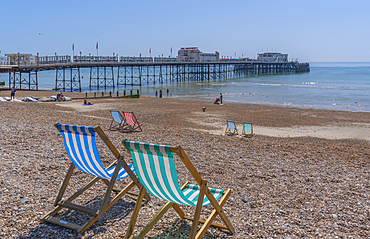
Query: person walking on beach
{"type": "Point", "coordinates": [221, 98]}
{"type": "Point", "coordinates": [12, 93]}
{"type": "Point", "coordinates": [156, 93]}
{"type": "Point", "coordinates": [160, 93]}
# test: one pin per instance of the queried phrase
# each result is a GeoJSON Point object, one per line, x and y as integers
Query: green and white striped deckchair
{"type": "Point", "coordinates": [79, 142]}
{"type": "Point", "coordinates": [231, 128]}
{"type": "Point", "coordinates": [247, 130]}
{"type": "Point", "coordinates": [156, 170]}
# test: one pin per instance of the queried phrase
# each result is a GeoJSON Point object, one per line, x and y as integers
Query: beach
{"type": "Point", "coordinates": [304, 173]}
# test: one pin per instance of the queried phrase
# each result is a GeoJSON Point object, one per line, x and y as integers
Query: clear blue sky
{"type": "Point", "coordinates": [312, 31]}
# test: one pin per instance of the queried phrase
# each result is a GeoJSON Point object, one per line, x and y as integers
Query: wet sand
{"type": "Point", "coordinates": [305, 173]}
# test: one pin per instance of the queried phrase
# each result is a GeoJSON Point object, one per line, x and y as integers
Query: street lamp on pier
{"type": "Point", "coordinates": [80, 55]}
{"type": "Point", "coordinates": [56, 58]}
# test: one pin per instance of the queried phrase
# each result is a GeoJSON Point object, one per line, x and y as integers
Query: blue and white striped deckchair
{"type": "Point", "coordinates": [79, 142]}
{"type": "Point", "coordinates": [118, 122]}
{"type": "Point", "coordinates": [156, 170]}
{"type": "Point", "coordinates": [247, 130]}
{"type": "Point", "coordinates": [231, 128]}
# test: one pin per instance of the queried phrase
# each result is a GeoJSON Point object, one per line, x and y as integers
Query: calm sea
{"type": "Point", "coordinates": [336, 86]}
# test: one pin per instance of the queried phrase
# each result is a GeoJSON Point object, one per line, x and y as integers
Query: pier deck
{"type": "Point", "coordinates": [68, 77]}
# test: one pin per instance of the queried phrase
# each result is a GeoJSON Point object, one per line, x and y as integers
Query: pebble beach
{"type": "Point", "coordinates": [300, 184]}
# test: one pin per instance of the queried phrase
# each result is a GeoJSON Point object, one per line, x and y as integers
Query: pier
{"type": "Point", "coordinates": [112, 72]}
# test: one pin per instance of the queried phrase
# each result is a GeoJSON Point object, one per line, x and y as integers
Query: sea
{"type": "Point", "coordinates": [341, 86]}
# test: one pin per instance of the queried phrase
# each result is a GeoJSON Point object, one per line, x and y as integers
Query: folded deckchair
{"type": "Point", "coordinates": [155, 168]}
{"type": "Point", "coordinates": [231, 128]}
{"type": "Point", "coordinates": [247, 130]}
{"type": "Point", "coordinates": [118, 122]}
{"type": "Point", "coordinates": [79, 142]}
{"type": "Point", "coordinates": [132, 121]}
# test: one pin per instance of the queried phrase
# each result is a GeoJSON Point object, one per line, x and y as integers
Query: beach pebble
{"type": "Point", "coordinates": [281, 187]}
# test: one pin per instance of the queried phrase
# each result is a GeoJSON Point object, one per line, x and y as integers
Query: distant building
{"type": "Point", "coordinates": [21, 59]}
{"type": "Point", "coordinates": [272, 57]}
{"type": "Point", "coordinates": [193, 54]}
{"type": "Point", "coordinates": [3, 60]}
{"type": "Point", "coordinates": [209, 57]}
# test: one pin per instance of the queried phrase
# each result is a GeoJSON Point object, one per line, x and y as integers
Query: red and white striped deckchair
{"type": "Point", "coordinates": [132, 121]}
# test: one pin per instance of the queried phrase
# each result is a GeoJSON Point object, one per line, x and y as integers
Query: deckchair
{"type": "Point", "coordinates": [247, 130]}
{"type": "Point", "coordinates": [231, 128]}
{"type": "Point", "coordinates": [132, 121]}
{"type": "Point", "coordinates": [79, 142]}
{"type": "Point", "coordinates": [155, 168]}
{"type": "Point", "coordinates": [118, 121]}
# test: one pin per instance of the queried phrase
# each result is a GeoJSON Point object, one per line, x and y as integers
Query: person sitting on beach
{"type": "Point", "coordinates": [87, 102]}
{"type": "Point", "coordinates": [217, 101]}
{"type": "Point", "coordinates": [62, 98]}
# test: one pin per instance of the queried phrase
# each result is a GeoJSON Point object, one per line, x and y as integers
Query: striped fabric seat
{"type": "Point", "coordinates": [231, 125]}
{"type": "Point", "coordinates": [129, 116]}
{"type": "Point", "coordinates": [231, 128]}
{"type": "Point", "coordinates": [247, 129]}
{"type": "Point", "coordinates": [116, 116]}
{"type": "Point", "coordinates": [80, 145]}
{"type": "Point", "coordinates": [132, 121]}
{"type": "Point", "coordinates": [155, 168]}
{"type": "Point", "coordinates": [117, 121]}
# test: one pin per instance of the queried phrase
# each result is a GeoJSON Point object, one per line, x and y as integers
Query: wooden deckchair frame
{"type": "Point", "coordinates": [61, 203]}
{"type": "Point", "coordinates": [114, 125]}
{"type": "Point", "coordinates": [132, 127]}
{"type": "Point", "coordinates": [228, 130]}
{"type": "Point", "coordinates": [244, 134]}
{"type": "Point", "coordinates": [204, 190]}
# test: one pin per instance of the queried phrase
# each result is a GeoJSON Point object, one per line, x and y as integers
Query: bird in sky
{"type": "Point", "coordinates": [41, 34]}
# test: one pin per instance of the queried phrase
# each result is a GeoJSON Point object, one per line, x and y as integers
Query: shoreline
{"type": "Point", "coordinates": [81, 95]}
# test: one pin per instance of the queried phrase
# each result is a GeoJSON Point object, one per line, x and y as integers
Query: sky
{"type": "Point", "coordinates": [312, 31]}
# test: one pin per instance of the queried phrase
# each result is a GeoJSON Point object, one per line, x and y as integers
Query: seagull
{"type": "Point", "coordinates": [41, 34]}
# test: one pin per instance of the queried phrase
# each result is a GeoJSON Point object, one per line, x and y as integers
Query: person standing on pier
{"type": "Point", "coordinates": [12, 93]}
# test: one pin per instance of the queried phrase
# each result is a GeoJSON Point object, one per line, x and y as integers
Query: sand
{"type": "Point", "coordinates": [305, 173]}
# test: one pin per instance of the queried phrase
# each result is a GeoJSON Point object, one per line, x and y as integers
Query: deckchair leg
{"type": "Point", "coordinates": [218, 208]}
{"type": "Point", "coordinates": [64, 184]}
{"type": "Point", "coordinates": [139, 201]}
{"type": "Point", "coordinates": [213, 215]}
{"type": "Point", "coordinates": [109, 189]}
{"type": "Point", "coordinates": [57, 204]}
{"type": "Point", "coordinates": [198, 209]}
{"type": "Point", "coordinates": [83, 189]}
{"type": "Point", "coordinates": [155, 219]}
{"type": "Point", "coordinates": [114, 200]}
